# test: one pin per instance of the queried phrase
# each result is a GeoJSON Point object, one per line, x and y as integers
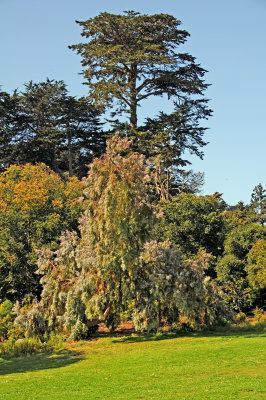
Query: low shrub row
{"type": "Point", "coordinates": [31, 345]}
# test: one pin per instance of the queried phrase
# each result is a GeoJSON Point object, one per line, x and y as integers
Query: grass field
{"type": "Point", "coordinates": [196, 366]}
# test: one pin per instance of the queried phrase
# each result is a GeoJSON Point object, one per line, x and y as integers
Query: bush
{"type": "Point", "coordinates": [23, 347]}
{"type": "Point", "coordinates": [30, 319]}
{"type": "Point", "coordinates": [240, 317]}
{"type": "Point", "coordinates": [258, 314]}
{"type": "Point", "coordinates": [79, 331]}
{"type": "Point", "coordinates": [6, 318]}
{"type": "Point", "coordinates": [28, 346]}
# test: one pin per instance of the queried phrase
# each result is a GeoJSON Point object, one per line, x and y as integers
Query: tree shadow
{"type": "Point", "coordinates": [39, 361]}
{"type": "Point", "coordinates": [136, 338]}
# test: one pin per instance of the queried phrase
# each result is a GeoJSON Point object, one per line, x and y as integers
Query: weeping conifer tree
{"type": "Point", "coordinates": [91, 278]}
{"type": "Point", "coordinates": [116, 224]}
{"type": "Point", "coordinates": [114, 262]}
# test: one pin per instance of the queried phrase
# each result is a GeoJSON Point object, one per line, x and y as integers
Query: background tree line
{"type": "Point", "coordinates": [45, 124]}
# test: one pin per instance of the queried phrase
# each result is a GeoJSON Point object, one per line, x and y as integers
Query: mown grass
{"type": "Point", "coordinates": [166, 366]}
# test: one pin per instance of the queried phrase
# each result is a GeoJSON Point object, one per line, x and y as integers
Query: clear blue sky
{"type": "Point", "coordinates": [228, 38]}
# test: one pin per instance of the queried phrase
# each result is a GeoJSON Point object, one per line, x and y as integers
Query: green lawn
{"type": "Point", "coordinates": [202, 367]}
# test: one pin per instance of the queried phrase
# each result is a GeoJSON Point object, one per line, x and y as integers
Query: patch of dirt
{"type": "Point", "coordinates": [125, 329]}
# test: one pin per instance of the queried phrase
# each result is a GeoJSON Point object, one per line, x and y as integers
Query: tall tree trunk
{"type": "Point", "coordinates": [167, 184]}
{"type": "Point", "coordinates": [133, 114]}
{"type": "Point", "coordinates": [70, 158]}
{"type": "Point", "coordinates": [55, 164]}
{"type": "Point", "coordinates": [133, 96]}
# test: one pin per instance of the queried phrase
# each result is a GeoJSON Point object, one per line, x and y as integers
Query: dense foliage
{"type": "Point", "coordinates": [193, 222]}
{"type": "Point", "coordinates": [35, 206]}
{"type": "Point", "coordinates": [255, 267]}
{"type": "Point", "coordinates": [98, 269]}
{"type": "Point", "coordinates": [169, 287]}
{"type": "Point", "coordinates": [242, 263]}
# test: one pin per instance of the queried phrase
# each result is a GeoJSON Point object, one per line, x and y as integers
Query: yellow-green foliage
{"type": "Point", "coordinates": [6, 318]}
{"type": "Point", "coordinates": [256, 266]}
{"type": "Point", "coordinates": [22, 347]}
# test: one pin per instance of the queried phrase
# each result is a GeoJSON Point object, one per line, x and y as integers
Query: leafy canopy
{"type": "Point", "coordinates": [192, 222]}
{"type": "Point", "coordinates": [241, 267]}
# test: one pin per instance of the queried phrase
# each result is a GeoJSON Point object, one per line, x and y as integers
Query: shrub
{"type": "Point", "coordinates": [22, 347]}
{"type": "Point", "coordinates": [258, 313]}
{"type": "Point", "coordinates": [6, 318]}
{"type": "Point", "coordinates": [27, 346]}
{"type": "Point", "coordinates": [167, 287]}
{"type": "Point", "coordinates": [79, 331]}
{"type": "Point", "coordinates": [240, 317]}
{"type": "Point", "coordinates": [30, 319]}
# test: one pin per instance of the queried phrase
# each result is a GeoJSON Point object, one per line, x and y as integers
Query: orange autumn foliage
{"type": "Point", "coordinates": [35, 186]}
{"type": "Point", "coordinates": [36, 205]}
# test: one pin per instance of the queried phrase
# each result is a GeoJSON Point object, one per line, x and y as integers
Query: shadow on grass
{"type": "Point", "coordinates": [245, 333]}
{"type": "Point", "coordinates": [38, 362]}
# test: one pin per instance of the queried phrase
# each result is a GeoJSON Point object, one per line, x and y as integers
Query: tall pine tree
{"type": "Point", "coordinates": [132, 57]}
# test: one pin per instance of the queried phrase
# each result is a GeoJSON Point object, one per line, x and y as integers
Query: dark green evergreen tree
{"type": "Point", "coordinates": [45, 124]}
{"type": "Point", "coordinates": [132, 57]}
{"type": "Point", "coordinates": [258, 204]}
{"type": "Point", "coordinates": [11, 123]}
{"type": "Point", "coordinates": [83, 137]}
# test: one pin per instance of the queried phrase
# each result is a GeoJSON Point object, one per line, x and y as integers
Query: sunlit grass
{"type": "Point", "coordinates": [196, 366]}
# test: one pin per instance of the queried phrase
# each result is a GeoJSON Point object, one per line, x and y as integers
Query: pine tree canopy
{"type": "Point", "coordinates": [45, 124]}
{"type": "Point", "coordinates": [129, 58]}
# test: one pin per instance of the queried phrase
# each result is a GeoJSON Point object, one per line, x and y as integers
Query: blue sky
{"type": "Point", "coordinates": [228, 38]}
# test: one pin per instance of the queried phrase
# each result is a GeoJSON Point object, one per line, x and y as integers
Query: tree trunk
{"type": "Point", "coordinates": [133, 96]}
{"type": "Point", "coordinates": [55, 165]}
{"type": "Point", "coordinates": [133, 115]}
{"type": "Point", "coordinates": [167, 184]}
{"type": "Point", "coordinates": [70, 158]}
